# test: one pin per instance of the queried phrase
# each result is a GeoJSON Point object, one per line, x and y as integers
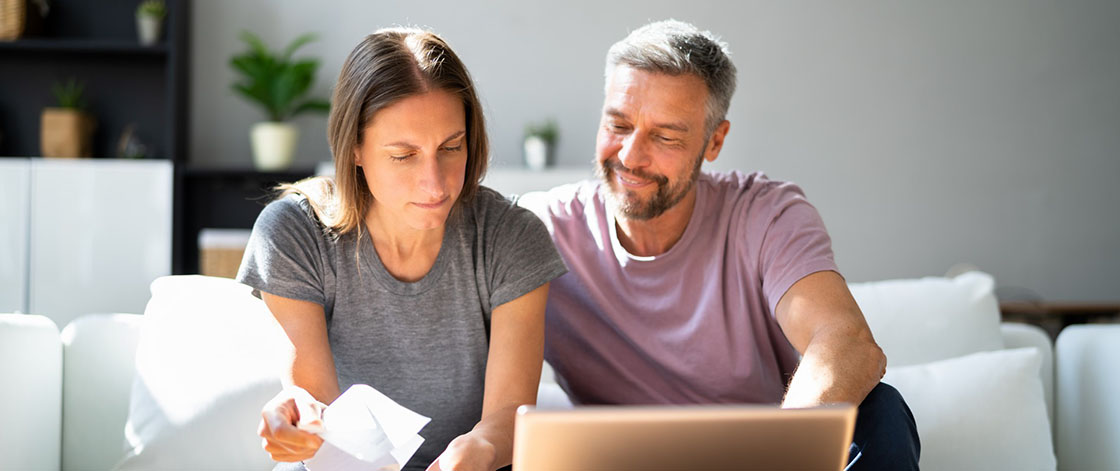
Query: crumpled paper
{"type": "Point", "coordinates": [365, 430]}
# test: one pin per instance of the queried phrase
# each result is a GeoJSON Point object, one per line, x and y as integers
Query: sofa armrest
{"type": "Point", "coordinates": [1019, 335]}
{"type": "Point", "coordinates": [31, 396]}
{"type": "Point", "coordinates": [1088, 385]}
{"type": "Point", "coordinates": [99, 365]}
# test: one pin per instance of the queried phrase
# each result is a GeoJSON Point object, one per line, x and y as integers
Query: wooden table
{"type": "Point", "coordinates": [1053, 316]}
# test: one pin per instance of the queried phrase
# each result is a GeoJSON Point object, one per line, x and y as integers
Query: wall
{"type": "Point", "coordinates": [927, 133]}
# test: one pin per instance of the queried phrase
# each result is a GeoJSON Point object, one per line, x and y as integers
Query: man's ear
{"type": "Point", "coordinates": [715, 143]}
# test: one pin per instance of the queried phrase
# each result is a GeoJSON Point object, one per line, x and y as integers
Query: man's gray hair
{"type": "Point", "coordinates": [676, 48]}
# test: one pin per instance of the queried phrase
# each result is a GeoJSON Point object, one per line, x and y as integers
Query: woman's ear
{"type": "Point", "coordinates": [357, 157]}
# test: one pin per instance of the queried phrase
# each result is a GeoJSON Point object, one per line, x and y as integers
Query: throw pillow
{"type": "Point", "coordinates": [210, 355]}
{"type": "Point", "coordinates": [918, 321]}
{"type": "Point", "coordinates": [979, 411]}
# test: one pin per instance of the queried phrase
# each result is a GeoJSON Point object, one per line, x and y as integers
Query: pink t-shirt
{"type": "Point", "coordinates": [694, 325]}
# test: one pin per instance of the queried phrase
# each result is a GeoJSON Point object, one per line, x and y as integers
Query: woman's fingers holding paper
{"type": "Point", "coordinates": [279, 419]}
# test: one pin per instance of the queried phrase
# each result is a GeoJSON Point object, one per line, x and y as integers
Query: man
{"type": "Point", "coordinates": [687, 287]}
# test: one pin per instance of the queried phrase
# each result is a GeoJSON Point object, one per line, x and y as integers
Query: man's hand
{"type": "Point", "coordinates": [466, 453]}
{"type": "Point", "coordinates": [287, 422]}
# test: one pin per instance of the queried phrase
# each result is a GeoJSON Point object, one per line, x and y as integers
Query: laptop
{"type": "Point", "coordinates": [717, 437]}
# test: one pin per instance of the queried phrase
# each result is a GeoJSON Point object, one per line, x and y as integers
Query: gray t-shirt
{"type": "Point", "coordinates": [423, 344]}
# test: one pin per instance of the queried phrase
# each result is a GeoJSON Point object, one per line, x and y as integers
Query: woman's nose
{"type": "Point", "coordinates": [431, 178]}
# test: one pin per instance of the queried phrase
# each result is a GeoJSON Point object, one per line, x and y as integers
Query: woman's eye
{"type": "Point", "coordinates": [400, 158]}
{"type": "Point", "coordinates": [453, 149]}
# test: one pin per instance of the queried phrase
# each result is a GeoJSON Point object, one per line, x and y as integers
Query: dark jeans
{"type": "Point", "coordinates": [886, 436]}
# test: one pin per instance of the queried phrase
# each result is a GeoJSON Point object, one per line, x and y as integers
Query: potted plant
{"type": "Point", "coordinates": [67, 130]}
{"type": "Point", "coordinates": [278, 84]}
{"type": "Point", "coordinates": [540, 145]}
{"type": "Point", "coordinates": [149, 21]}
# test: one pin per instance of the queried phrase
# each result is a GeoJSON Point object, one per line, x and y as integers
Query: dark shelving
{"type": "Point", "coordinates": [224, 198]}
{"type": "Point", "coordinates": [125, 83]}
{"type": "Point", "coordinates": [240, 173]}
{"type": "Point", "coordinates": [83, 46]}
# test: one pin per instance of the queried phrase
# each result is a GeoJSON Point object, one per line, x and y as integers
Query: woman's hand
{"type": "Point", "coordinates": [287, 422]}
{"type": "Point", "coordinates": [466, 453]}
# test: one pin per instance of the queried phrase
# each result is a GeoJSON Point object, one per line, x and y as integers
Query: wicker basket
{"type": "Point", "coordinates": [13, 19]}
{"type": "Point", "coordinates": [220, 251]}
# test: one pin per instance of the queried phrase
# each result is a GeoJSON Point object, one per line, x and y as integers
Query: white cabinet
{"type": "Point", "coordinates": [14, 188]}
{"type": "Point", "coordinates": [518, 181]}
{"type": "Point", "coordinates": [98, 233]}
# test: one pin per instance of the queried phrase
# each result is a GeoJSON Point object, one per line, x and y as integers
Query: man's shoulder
{"type": "Point", "coordinates": [748, 191]}
{"type": "Point", "coordinates": [491, 210]}
{"type": "Point", "coordinates": [562, 204]}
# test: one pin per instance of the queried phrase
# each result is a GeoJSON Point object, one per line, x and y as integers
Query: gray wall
{"type": "Point", "coordinates": [927, 133]}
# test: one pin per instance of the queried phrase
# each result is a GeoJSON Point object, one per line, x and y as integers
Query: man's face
{"type": "Point", "coordinates": [651, 139]}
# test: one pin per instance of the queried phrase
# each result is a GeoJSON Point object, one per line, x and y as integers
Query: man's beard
{"type": "Point", "coordinates": [664, 198]}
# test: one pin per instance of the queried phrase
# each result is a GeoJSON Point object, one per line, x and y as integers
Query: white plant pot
{"type": "Point", "coordinates": [149, 29]}
{"type": "Point", "coordinates": [273, 145]}
{"type": "Point", "coordinates": [536, 153]}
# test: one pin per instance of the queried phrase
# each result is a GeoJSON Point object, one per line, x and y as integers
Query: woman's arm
{"type": "Point", "coordinates": [513, 372]}
{"type": "Point", "coordinates": [312, 364]}
{"type": "Point", "coordinates": [310, 383]}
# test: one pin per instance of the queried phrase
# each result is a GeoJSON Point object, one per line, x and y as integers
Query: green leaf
{"type": "Point", "coordinates": [255, 44]}
{"type": "Point", "coordinates": [294, 82]}
{"type": "Point", "coordinates": [313, 106]}
{"type": "Point", "coordinates": [254, 70]}
{"type": "Point", "coordinates": [252, 94]}
{"type": "Point", "coordinates": [296, 44]}
{"type": "Point", "coordinates": [70, 93]}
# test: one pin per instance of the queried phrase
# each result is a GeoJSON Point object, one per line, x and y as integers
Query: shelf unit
{"type": "Point", "coordinates": [125, 83]}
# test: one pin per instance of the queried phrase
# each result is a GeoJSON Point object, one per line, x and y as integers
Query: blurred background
{"type": "Point", "coordinates": [932, 136]}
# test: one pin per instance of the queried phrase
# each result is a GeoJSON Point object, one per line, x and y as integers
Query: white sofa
{"type": "Point", "coordinates": [65, 398]}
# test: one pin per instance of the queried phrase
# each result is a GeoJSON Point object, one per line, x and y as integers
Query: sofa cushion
{"type": "Point", "coordinates": [210, 356]}
{"type": "Point", "coordinates": [31, 395]}
{"type": "Point", "coordinates": [928, 319]}
{"type": "Point", "coordinates": [1088, 383]}
{"type": "Point", "coordinates": [979, 411]}
{"type": "Point", "coordinates": [1018, 335]}
{"type": "Point", "coordinates": [98, 356]}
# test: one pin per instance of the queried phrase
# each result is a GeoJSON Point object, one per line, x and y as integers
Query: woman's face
{"type": "Point", "coordinates": [414, 156]}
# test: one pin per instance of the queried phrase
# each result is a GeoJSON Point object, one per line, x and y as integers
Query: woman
{"type": "Point", "coordinates": [403, 273]}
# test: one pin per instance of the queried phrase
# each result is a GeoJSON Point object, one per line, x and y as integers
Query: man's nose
{"type": "Point", "coordinates": [633, 153]}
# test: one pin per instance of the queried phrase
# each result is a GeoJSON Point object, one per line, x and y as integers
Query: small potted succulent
{"type": "Point", "coordinates": [540, 145]}
{"type": "Point", "coordinates": [67, 130]}
{"type": "Point", "coordinates": [149, 21]}
{"type": "Point", "coordinates": [278, 84]}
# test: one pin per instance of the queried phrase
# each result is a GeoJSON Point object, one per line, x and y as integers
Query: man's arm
{"type": "Point", "coordinates": [840, 360]}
